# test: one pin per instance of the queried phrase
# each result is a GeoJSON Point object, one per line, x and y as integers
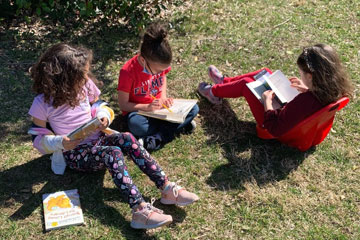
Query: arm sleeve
{"type": "Point", "coordinates": [93, 91]}
{"type": "Point", "coordinates": [44, 140]}
{"type": "Point", "coordinates": [279, 121]}
{"type": "Point", "coordinates": [38, 109]}
{"type": "Point", "coordinates": [166, 71]}
{"type": "Point", "coordinates": [100, 109]}
{"type": "Point", "coordinates": [125, 81]}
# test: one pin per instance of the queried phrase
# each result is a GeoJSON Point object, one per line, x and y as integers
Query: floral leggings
{"type": "Point", "coordinates": [107, 152]}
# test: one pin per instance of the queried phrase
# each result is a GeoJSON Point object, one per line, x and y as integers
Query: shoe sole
{"type": "Point", "coordinates": [171, 202]}
{"type": "Point", "coordinates": [215, 103]}
{"type": "Point", "coordinates": [142, 226]}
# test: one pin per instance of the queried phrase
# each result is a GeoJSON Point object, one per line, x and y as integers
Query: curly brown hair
{"type": "Point", "coordinates": [329, 78]}
{"type": "Point", "coordinates": [61, 73]}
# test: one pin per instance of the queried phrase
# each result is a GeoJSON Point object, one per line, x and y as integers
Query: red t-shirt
{"type": "Point", "coordinates": [138, 84]}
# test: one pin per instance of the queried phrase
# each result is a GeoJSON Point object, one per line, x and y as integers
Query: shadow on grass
{"type": "Point", "coordinates": [25, 184]}
{"type": "Point", "coordinates": [250, 158]}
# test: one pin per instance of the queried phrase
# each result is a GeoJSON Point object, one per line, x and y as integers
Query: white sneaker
{"type": "Point", "coordinates": [193, 126]}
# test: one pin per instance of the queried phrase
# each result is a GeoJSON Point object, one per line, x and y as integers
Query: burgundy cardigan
{"type": "Point", "coordinates": [279, 121]}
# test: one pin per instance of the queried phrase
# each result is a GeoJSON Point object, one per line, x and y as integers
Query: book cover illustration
{"type": "Point", "coordinates": [62, 209]}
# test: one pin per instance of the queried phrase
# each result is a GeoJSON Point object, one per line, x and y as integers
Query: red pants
{"type": "Point", "coordinates": [234, 87]}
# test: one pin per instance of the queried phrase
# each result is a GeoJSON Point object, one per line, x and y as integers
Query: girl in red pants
{"type": "Point", "coordinates": [323, 80]}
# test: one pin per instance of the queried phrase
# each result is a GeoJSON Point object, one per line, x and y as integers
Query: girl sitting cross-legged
{"type": "Point", "coordinates": [143, 86]}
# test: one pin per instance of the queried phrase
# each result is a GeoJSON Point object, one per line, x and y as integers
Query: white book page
{"type": "Point", "coordinates": [281, 85]}
{"type": "Point", "coordinates": [179, 111]}
{"type": "Point", "coordinates": [257, 88]}
{"type": "Point", "coordinates": [180, 106]}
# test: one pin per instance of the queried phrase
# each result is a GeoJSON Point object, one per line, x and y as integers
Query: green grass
{"type": "Point", "coordinates": [249, 188]}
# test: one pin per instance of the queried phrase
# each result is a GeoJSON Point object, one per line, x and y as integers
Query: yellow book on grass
{"type": "Point", "coordinates": [62, 209]}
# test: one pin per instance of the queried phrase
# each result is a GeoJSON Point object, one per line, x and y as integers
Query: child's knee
{"type": "Point", "coordinates": [138, 128]}
{"type": "Point", "coordinates": [195, 110]}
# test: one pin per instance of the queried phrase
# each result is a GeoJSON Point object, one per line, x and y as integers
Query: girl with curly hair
{"type": "Point", "coordinates": [67, 97]}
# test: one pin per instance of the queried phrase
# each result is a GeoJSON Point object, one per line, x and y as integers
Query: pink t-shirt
{"type": "Point", "coordinates": [64, 119]}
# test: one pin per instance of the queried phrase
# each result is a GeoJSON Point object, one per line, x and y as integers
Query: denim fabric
{"type": "Point", "coordinates": [142, 126]}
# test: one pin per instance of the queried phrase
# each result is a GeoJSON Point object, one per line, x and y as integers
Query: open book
{"type": "Point", "coordinates": [62, 209]}
{"type": "Point", "coordinates": [180, 110]}
{"type": "Point", "coordinates": [277, 82]}
{"type": "Point", "coordinates": [85, 130]}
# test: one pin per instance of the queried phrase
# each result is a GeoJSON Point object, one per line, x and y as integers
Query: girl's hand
{"type": "Point", "coordinates": [298, 84]}
{"type": "Point", "coordinates": [268, 97]}
{"type": "Point", "coordinates": [104, 124]}
{"type": "Point", "coordinates": [167, 101]}
{"type": "Point", "coordinates": [70, 144]}
{"type": "Point", "coordinates": [155, 105]}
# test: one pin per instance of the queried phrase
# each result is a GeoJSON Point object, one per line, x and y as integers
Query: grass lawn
{"type": "Point", "coordinates": [249, 188]}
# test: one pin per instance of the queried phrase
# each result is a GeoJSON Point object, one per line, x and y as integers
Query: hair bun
{"type": "Point", "coordinates": [155, 32]}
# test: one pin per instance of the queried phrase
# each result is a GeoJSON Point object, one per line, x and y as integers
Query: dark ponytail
{"type": "Point", "coordinates": [155, 45]}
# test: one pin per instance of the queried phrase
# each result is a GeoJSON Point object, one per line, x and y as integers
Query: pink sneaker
{"type": "Point", "coordinates": [215, 75]}
{"type": "Point", "coordinates": [174, 194]}
{"type": "Point", "coordinates": [149, 217]}
{"type": "Point", "coordinates": [205, 90]}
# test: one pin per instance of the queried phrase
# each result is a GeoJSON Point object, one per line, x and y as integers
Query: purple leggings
{"type": "Point", "coordinates": [107, 152]}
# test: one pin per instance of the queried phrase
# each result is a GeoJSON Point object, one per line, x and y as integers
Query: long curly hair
{"type": "Point", "coordinates": [329, 78]}
{"type": "Point", "coordinates": [61, 73]}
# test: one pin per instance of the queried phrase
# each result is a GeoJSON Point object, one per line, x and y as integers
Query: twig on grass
{"type": "Point", "coordinates": [282, 23]}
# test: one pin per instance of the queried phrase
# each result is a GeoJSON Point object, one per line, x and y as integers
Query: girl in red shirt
{"type": "Point", "coordinates": [141, 79]}
{"type": "Point", "coordinates": [323, 80]}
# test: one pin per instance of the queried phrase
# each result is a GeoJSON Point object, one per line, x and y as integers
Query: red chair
{"type": "Point", "coordinates": [311, 131]}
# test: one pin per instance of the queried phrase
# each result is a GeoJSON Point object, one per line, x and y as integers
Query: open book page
{"type": "Point", "coordinates": [257, 88]}
{"type": "Point", "coordinates": [180, 110]}
{"type": "Point", "coordinates": [281, 85]}
{"type": "Point", "coordinates": [261, 85]}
